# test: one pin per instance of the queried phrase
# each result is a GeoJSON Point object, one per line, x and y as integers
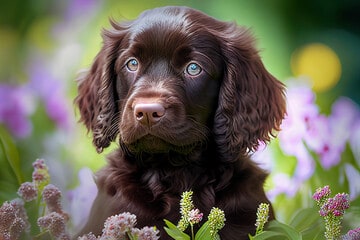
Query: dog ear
{"type": "Point", "coordinates": [251, 101]}
{"type": "Point", "coordinates": [97, 91]}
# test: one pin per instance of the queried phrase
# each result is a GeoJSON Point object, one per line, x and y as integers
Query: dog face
{"type": "Point", "coordinates": [176, 78]}
{"type": "Point", "coordinates": [170, 71]}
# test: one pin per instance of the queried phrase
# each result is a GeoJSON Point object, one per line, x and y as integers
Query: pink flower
{"type": "Point", "coordinates": [147, 233]}
{"type": "Point", "coordinates": [52, 196]}
{"type": "Point", "coordinates": [116, 226]}
{"type": "Point", "coordinates": [16, 105]}
{"type": "Point", "coordinates": [283, 184]}
{"type": "Point", "coordinates": [352, 234]}
{"type": "Point", "coordinates": [89, 236]}
{"type": "Point", "coordinates": [39, 164]}
{"type": "Point", "coordinates": [336, 205]}
{"type": "Point", "coordinates": [50, 89]}
{"type": "Point", "coordinates": [28, 191]}
{"type": "Point", "coordinates": [195, 216]}
{"type": "Point", "coordinates": [55, 223]}
{"type": "Point", "coordinates": [301, 110]}
{"type": "Point", "coordinates": [322, 193]}
{"type": "Point", "coordinates": [40, 175]}
{"type": "Point", "coordinates": [11, 225]}
{"type": "Point", "coordinates": [353, 176]}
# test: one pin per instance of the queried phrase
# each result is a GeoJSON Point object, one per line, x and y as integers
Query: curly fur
{"type": "Point", "coordinates": [213, 121]}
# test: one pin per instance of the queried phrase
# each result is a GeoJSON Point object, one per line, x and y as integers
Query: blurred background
{"type": "Point", "coordinates": [311, 46]}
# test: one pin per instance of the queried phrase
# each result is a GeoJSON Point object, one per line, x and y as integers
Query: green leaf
{"type": "Point", "coordinates": [287, 230]}
{"type": "Point", "coordinates": [309, 223]}
{"type": "Point", "coordinates": [11, 154]}
{"type": "Point", "coordinates": [204, 232]}
{"type": "Point", "coordinates": [266, 235]}
{"type": "Point", "coordinates": [174, 232]}
{"type": "Point", "coordinates": [304, 219]}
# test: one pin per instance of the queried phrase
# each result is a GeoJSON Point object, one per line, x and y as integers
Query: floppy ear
{"type": "Point", "coordinates": [251, 101]}
{"type": "Point", "coordinates": [97, 91]}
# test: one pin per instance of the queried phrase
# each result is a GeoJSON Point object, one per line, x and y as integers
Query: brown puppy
{"type": "Point", "coordinates": [189, 99]}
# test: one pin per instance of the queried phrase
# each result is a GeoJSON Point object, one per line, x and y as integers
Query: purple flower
{"type": "Point", "coordinates": [263, 156]}
{"type": "Point", "coordinates": [20, 210]}
{"type": "Point", "coordinates": [352, 235]}
{"type": "Point", "coordinates": [55, 223]}
{"type": "Point", "coordinates": [39, 164]}
{"type": "Point", "coordinates": [40, 175]}
{"type": "Point", "coordinates": [51, 92]}
{"type": "Point", "coordinates": [336, 205]}
{"type": "Point", "coordinates": [283, 184]}
{"type": "Point", "coordinates": [52, 196]}
{"type": "Point", "coordinates": [116, 226]}
{"type": "Point", "coordinates": [7, 216]}
{"type": "Point", "coordinates": [301, 110]}
{"type": "Point", "coordinates": [82, 197]}
{"type": "Point", "coordinates": [77, 7]}
{"type": "Point", "coordinates": [11, 225]}
{"type": "Point", "coordinates": [322, 193]}
{"type": "Point", "coordinates": [354, 140]}
{"type": "Point", "coordinates": [327, 136]}
{"type": "Point", "coordinates": [353, 176]}
{"type": "Point", "coordinates": [16, 105]}
{"type": "Point", "coordinates": [89, 236]}
{"type": "Point", "coordinates": [28, 191]}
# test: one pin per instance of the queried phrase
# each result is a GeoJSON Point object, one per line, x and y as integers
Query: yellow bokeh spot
{"type": "Point", "coordinates": [319, 63]}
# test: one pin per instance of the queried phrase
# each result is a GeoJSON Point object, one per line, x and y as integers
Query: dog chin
{"type": "Point", "coordinates": [155, 145]}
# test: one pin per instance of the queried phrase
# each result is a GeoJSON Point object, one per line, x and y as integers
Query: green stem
{"type": "Point", "coordinates": [192, 232]}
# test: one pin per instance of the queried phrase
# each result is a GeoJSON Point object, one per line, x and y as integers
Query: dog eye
{"type": "Point", "coordinates": [132, 65]}
{"type": "Point", "coordinates": [193, 69]}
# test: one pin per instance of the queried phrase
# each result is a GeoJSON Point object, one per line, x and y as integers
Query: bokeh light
{"type": "Point", "coordinates": [319, 63]}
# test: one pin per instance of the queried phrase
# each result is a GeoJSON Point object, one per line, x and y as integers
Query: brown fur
{"type": "Point", "coordinates": [212, 121]}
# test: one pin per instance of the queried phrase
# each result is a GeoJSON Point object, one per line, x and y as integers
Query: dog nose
{"type": "Point", "coordinates": [149, 113]}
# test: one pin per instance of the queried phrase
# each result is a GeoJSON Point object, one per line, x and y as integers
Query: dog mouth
{"type": "Point", "coordinates": [156, 145]}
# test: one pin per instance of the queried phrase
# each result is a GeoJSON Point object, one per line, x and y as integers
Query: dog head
{"type": "Point", "coordinates": [173, 79]}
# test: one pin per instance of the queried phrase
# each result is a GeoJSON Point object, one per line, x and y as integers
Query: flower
{"type": "Point", "coordinates": [18, 205]}
{"type": "Point", "coordinates": [146, 233]}
{"type": "Point", "coordinates": [40, 175]}
{"type": "Point", "coordinates": [89, 236]}
{"type": "Point", "coordinates": [16, 105]}
{"type": "Point", "coordinates": [195, 216]}
{"type": "Point", "coordinates": [353, 176]}
{"type": "Point", "coordinates": [49, 88]}
{"type": "Point", "coordinates": [301, 111]}
{"type": "Point", "coordinates": [216, 220]}
{"type": "Point", "coordinates": [336, 205]}
{"type": "Point", "coordinates": [28, 191]}
{"type": "Point", "coordinates": [7, 216]}
{"type": "Point", "coordinates": [332, 210]}
{"type": "Point", "coordinates": [353, 234]}
{"type": "Point", "coordinates": [11, 225]}
{"type": "Point", "coordinates": [262, 216]}
{"type": "Point", "coordinates": [116, 226]}
{"type": "Point", "coordinates": [82, 197]}
{"type": "Point", "coordinates": [55, 223]}
{"type": "Point", "coordinates": [321, 194]}
{"type": "Point", "coordinates": [283, 184]}
{"type": "Point", "coordinates": [186, 205]}
{"type": "Point", "coordinates": [52, 195]}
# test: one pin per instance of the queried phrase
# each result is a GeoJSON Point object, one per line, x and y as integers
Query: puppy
{"type": "Point", "coordinates": [188, 100]}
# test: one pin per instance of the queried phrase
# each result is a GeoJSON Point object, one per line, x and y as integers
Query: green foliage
{"type": "Point", "coordinates": [175, 232]}
{"type": "Point", "coordinates": [10, 172]}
